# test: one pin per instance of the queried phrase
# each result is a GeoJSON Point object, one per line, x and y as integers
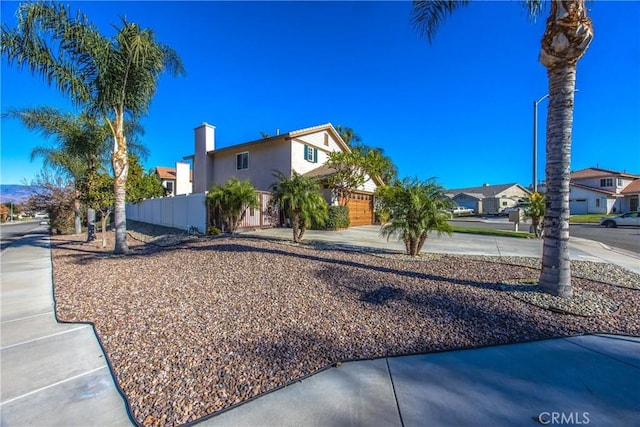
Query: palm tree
{"type": "Point", "coordinates": [80, 142]}
{"type": "Point", "coordinates": [300, 198]}
{"type": "Point", "coordinates": [414, 208]}
{"type": "Point", "coordinates": [233, 200]}
{"type": "Point", "coordinates": [115, 78]}
{"type": "Point", "coordinates": [567, 36]}
{"type": "Point", "coordinates": [81, 145]}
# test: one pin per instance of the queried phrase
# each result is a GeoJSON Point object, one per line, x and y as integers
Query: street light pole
{"type": "Point", "coordinates": [535, 142]}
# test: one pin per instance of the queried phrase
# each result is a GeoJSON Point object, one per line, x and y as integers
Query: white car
{"type": "Point", "coordinates": [630, 218]}
{"type": "Point", "coordinates": [459, 210]}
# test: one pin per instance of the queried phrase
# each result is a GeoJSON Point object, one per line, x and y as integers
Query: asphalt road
{"type": "Point", "coordinates": [12, 231]}
{"type": "Point", "coordinates": [626, 238]}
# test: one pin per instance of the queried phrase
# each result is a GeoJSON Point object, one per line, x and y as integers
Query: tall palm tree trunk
{"type": "Point", "coordinates": [555, 277]}
{"type": "Point", "coordinates": [567, 36]}
{"type": "Point", "coordinates": [120, 163]}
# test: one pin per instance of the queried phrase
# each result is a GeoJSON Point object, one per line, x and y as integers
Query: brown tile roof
{"type": "Point", "coordinates": [169, 173]}
{"type": "Point", "coordinates": [320, 172]}
{"type": "Point", "coordinates": [598, 172]}
{"type": "Point", "coordinates": [166, 173]}
{"type": "Point", "coordinates": [633, 188]}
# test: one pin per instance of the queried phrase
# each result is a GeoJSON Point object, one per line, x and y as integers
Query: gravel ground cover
{"type": "Point", "coordinates": [207, 323]}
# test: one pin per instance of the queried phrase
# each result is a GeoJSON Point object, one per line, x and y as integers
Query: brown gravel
{"type": "Point", "coordinates": [197, 327]}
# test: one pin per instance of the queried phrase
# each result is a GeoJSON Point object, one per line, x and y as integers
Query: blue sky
{"type": "Point", "coordinates": [459, 109]}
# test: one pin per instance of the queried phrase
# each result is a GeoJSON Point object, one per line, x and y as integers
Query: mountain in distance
{"type": "Point", "coordinates": [16, 193]}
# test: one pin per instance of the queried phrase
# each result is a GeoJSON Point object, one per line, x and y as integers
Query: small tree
{"type": "Point", "coordinates": [414, 208]}
{"type": "Point", "coordinates": [4, 213]}
{"type": "Point", "coordinates": [351, 169]}
{"type": "Point", "coordinates": [534, 208]}
{"type": "Point", "coordinates": [100, 197]}
{"type": "Point", "coordinates": [140, 184]}
{"type": "Point", "coordinates": [232, 201]}
{"type": "Point", "coordinates": [55, 195]}
{"type": "Point", "coordinates": [301, 200]}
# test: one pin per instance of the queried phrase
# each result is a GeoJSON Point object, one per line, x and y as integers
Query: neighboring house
{"type": "Point", "coordinates": [489, 199]}
{"type": "Point", "coordinates": [176, 181]}
{"type": "Point", "coordinates": [595, 190]}
{"type": "Point", "coordinates": [304, 151]}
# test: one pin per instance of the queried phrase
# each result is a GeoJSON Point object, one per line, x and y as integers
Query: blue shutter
{"type": "Point", "coordinates": [304, 152]}
{"type": "Point", "coordinates": [315, 155]}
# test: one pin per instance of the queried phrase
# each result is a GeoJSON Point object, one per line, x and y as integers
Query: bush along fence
{"type": "Point", "coordinates": [187, 211]}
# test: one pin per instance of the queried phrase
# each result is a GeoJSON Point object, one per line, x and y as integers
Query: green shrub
{"type": "Point", "coordinates": [213, 231]}
{"type": "Point", "coordinates": [338, 218]}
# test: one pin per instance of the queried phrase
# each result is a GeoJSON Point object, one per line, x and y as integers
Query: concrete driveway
{"type": "Point", "coordinates": [368, 236]}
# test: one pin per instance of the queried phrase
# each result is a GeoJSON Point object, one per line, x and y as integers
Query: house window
{"type": "Point", "coordinates": [597, 202]}
{"type": "Point", "coordinates": [619, 182]}
{"type": "Point", "coordinates": [606, 182]}
{"type": "Point", "coordinates": [169, 186]}
{"type": "Point", "coordinates": [242, 161]}
{"type": "Point", "coordinates": [310, 154]}
{"type": "Point", "coordinates": [504, 203]}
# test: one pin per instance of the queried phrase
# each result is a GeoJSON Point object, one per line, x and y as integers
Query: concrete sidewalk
{"type": "Point", "coordinates": [52, 374]}
{"type": "Point", "coordinates": [589, 379]}
{"type": "Point", "coordinates": [55, 374]}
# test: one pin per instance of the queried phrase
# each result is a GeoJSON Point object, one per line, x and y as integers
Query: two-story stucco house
{"type": "Point", "coordinates": [596, 190]}
{"type": "Point", "coordinates": [303, 151]}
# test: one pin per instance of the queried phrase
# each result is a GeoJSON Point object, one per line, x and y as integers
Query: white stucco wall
{"type": "Point", "coordinates": [315, 140]}
{"type": "Point", "coordinates": [595, 183]}
{"type": "Point", "coordinates": [576, 203]}
{"type": "Point", "coordinates": [177, 212]}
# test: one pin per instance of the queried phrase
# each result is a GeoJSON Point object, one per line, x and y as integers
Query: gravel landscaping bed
{"type": "Point", "coordinates": [207, 323]}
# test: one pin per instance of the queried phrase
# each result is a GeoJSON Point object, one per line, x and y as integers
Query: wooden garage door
{"type": "Point", "coordinates": [360, 209]}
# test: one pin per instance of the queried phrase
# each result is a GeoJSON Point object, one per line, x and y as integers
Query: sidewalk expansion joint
{"type": "Point", "coordinates": [395, 396]}
{"type": "Point", "coordinates": [52, 385]}
{"type": "Point", "coordinates": [608, 356]}
{"type": "Point", "coordinates": [26, 317]}
{"type": "Point", "coordinates": [45, 337]}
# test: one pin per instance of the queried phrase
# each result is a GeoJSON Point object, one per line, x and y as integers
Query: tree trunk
{"type": "Point", "coordinates": [91, 225]}
{"type": "Point", "coordinates": [120, 163]}
{"type": "Point", "coordinates": [566, 38]}
{"type": "Point", "coordinates": [303, 228]}
{"type": "Point", "coordinates": [295, 222]}
{"type": "Point", "coordinates": [555, 277]}
{"type": "Point", "coordinates": [77, 220]}
{"type": "Point", "coordinates": [105, 218]}
{"type": "Point", "coordinates": [423, 238]}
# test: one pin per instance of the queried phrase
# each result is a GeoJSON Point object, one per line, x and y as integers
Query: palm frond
{"type": "Point", "coordinates": [428, 15]}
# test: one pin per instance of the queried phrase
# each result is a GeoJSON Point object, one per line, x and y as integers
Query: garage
{"type": "Point", "coordinates": [578, 206]}
{"type": "Point", "coordinates": [360, 209]}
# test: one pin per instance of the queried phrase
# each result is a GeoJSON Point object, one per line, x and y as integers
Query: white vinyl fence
{"type": "Point", "coordinates": [181, 212]}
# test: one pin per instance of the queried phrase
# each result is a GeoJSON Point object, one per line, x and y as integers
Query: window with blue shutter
{"type": "Point", "coordinates": [310, 154]}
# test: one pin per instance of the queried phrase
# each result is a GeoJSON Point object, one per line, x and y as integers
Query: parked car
{"type": "Point", "coordinates": [629, 218]}
{"type": "Point", "coordinates": [459, 210]}
{"type": "Point", "coordinates": [506, 211]}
